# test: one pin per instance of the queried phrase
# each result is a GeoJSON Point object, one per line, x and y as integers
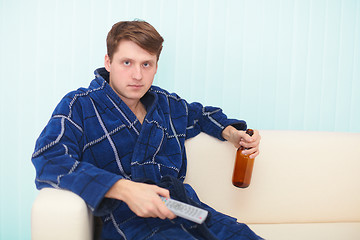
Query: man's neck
{"type": "Point", "coordinates": [138, 109]}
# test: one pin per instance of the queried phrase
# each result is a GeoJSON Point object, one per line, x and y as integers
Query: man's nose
{"type": "Point", "coordinates": [137, 73]}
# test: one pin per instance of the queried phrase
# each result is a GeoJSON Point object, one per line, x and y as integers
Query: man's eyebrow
{"type": "Point", "coordinates": [126, 58]}
{"type": "Point", "coordinates": [150, 60]}
{"type": "Point", "coordinates": [131, 59]}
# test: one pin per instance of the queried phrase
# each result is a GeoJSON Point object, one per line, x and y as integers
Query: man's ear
{"type": "Point", "coordinates": [107, 62]}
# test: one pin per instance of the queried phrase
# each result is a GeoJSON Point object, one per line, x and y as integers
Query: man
{"type": "Point", "coordinates": [119, 145]}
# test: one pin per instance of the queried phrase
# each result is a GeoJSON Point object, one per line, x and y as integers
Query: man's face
{"type": "Point", "coordinates": [132, 71]}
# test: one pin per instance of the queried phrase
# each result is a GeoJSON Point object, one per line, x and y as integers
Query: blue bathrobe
{"type": "Point", "coordinates": [93, 140]}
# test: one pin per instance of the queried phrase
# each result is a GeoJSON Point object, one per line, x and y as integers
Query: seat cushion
{"type": "Point", "coordinates": [308, 231]}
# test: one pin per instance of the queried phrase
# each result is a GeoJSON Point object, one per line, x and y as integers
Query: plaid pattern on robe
{"type": "Point", "coordinates": [93, 139]}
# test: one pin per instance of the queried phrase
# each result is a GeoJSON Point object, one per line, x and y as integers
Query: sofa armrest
{"type": "Point", "coordinates": [60, 214]}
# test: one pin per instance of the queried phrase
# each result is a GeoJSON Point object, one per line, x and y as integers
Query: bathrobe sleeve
{"type": "Point", "coordinates": [210, 120]}
{"type": "Point", "coordinates": [58, 163]}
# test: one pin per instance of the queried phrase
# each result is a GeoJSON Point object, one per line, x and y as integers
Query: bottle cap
{"type": "Point", "coordinates": [250, 132]}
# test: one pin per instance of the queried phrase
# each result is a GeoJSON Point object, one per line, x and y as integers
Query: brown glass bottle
{"type": "Point", "coordinates": [243, 167]}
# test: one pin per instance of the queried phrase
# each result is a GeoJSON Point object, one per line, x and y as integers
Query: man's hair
{"type": "Point", "coordinates": [139, 32]}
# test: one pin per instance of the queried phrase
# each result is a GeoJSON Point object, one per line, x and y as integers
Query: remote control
{"type": "Point", "coordinates": [186, 211]}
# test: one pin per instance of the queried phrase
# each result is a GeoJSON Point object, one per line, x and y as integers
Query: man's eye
{"type": "Point", "coordinates": [146, 64]}
{"type": "Point", "coordinates": [126, 63]}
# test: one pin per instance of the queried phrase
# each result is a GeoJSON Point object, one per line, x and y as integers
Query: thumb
{"type": "Point", "coordinates": [246, 137]}
{"type": "Point", "coordinates": [162, 192]}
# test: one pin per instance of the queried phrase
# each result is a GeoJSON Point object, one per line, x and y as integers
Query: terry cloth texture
{"type": "Point", "coordinates": [93, 139]}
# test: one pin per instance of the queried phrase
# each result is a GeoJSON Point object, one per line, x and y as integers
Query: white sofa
{"type": "Point", "coordinates": [305, 185]}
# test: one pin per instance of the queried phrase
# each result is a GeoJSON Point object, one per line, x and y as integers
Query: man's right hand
{"type": "Point", "coordinates": [143, 199]}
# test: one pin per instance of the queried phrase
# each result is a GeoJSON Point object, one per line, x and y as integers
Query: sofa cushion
{"type": "Point", "coordinates": [308, 231]}
{"type": "Point", "coordinates": [299, 176]}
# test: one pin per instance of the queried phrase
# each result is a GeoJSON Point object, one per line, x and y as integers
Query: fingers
{"type": "Point", "coordinates": [162, 191]}
{"type": "Point", "coordinates": [251, 152]}
{"type": "Point", "coordinates": [249, 141]}
{"type": "Point", "coordinates": [251, 144]}
{"type": "Point", "coordinates": [164, 212]}
{"type": "Point", "coordinates": [156, 209]}
{"type": "Point", "coordinates": [246, 137]}
{"type": "Point", "coordinates": [145, 202]}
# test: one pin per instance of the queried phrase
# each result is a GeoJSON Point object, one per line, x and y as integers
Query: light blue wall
{"type": "Point", "coordinates": [279, 64]}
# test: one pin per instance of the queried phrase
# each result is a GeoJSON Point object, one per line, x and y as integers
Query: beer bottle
{"type": "Point", "coordinates": [243, 167]}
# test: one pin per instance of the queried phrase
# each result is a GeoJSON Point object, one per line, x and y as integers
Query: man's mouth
{"type": "Point", "coordinates": [135, 85]}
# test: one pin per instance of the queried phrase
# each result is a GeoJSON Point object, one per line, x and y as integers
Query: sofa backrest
{"type": "Point", "coordinates": [298, 177]}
